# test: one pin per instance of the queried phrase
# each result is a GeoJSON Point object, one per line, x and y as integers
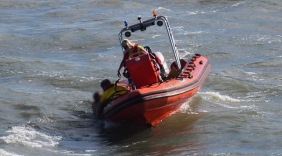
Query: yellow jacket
{"type": "Point", "coordinates": [110, 93]}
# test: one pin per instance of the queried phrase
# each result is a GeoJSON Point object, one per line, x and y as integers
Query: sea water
{"type": "Point", "coordinates": [54, 54]}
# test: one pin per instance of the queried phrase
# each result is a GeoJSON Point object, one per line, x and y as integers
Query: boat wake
{"type": "Point", "coordinates": [216, 96]}
{"type": "Point", "coordinates": [226, 101]}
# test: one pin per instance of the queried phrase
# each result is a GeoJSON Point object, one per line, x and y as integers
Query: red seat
{"type": "Point", "coordinates": [142, 70]}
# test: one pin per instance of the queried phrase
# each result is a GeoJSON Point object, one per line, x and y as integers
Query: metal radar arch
{"type": "Point", "coordinates": [143, 25]}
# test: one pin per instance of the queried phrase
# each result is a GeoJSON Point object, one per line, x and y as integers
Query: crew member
{"type": "Point", "coordinates": [110, 92]}
{"type": "Point", "coordinates": [133, 48]}
{"type": "Point", "coordinates": [130, 49]}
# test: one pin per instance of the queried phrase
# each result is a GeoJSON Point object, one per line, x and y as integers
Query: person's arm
{"type": "Point", "coordinates": [120, 66]}
{"type": "Point", "coordinates": [122, 63]}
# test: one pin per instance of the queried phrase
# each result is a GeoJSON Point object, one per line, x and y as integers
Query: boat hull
{"type": "Point", "coordinates": [151, 104]}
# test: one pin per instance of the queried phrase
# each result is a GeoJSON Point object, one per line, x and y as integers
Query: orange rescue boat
{"type": "Point", "coordinates": [150, 99]}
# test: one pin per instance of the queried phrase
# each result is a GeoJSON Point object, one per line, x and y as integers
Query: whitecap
{"type": "Point", "coordinates": [218, 96]}
{"type": "Point", "coordinates": [237, 4]}
{"type": "Point", "coordinates": [179, 28]}
{"type": "Point", "coordinates": [162, 8]}
{"type": "Point", "coordinates": [28, 136]}
{"type": "Point", "coordinates": [185, 107]}
{"type": "Point", "coordinates": [191, 12]}
{"type": "Point", "coordinates": [5, 153]}
{"type": "Point", "coordinates": [154, 36]}
{"type": "Point", "coordinates": [193, 32]}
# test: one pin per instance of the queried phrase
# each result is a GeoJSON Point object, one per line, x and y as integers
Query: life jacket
{"type": "Point", "coordinates": [112, 92]}
{"type": "Point", "coordinates": [135, 51]}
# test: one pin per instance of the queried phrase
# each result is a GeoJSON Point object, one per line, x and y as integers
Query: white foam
{"type": "Point", "coordinates": [250, 73]}
{"type": "Point", "coordinates": [184, 107]}
{"type": "Point", "coordinates": [218, 96]}
{"type": "Point", "coordinates": [191, 12]}
{"type": "Point", "coordinates": [193, 32]}
{"type": "Point", "coordinates": [5, 153]}
{"type": "Point", "coordinates": [155, 36]}
{"type": "Point", "coordinates": [162, 9]}
{"type": "Point", "coordinates": [226, 101]}
{"type": "Point", "coordinates": [237, 4]}
{"type": "Point", "coordinates": [28, 136]}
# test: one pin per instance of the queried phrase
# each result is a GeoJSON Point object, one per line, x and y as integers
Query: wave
{"type": "Point", "coordinates": [220, 102]}
{"type": "Point", "coordinates": [14, 4]}
{"type": "Point", "coordinates": [237, 4]}
{"type": "Point", "coordinates": [226, 101]}
{"type": "Point", "coordinates": [192, 12]}
{"type": "Point", "coordinates": [216, 96]}
{"type": "Point", "coordinates": [266, 64]}
{"type": "Point", "coordinates": [28, 136]}
{"type": "Point", "coordinates": [186, 108]}
{"type": "Point", "coordinates": [162, 10]}
{"type": "Point", "coordinates": [6, 153]}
